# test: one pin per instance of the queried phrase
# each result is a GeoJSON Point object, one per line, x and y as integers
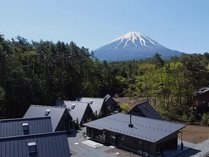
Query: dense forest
{"type": "Point", "coordinates": [45, 72]}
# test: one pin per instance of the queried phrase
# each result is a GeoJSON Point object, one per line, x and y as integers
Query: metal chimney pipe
{"type": "Point", "coordinates": [130, 124]}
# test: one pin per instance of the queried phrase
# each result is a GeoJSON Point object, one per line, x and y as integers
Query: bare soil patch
{"type": "Point", "coordinates": [132, 101]}
{"type": "Point", "coordinates": [195, 134]}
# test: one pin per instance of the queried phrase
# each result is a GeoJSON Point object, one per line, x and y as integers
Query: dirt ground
{"type": "Point", "coordinates": [132, 101]}
{"type": "Point", "coordinates": [195, 134]}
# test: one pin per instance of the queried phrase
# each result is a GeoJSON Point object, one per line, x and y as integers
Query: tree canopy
{"type": "Point", "coordinates": [44, 72]}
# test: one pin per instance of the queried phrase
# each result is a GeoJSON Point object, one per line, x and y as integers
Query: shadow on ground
{"type": "Point", "coordinates": [188, 153]}
{"type": "Point", "coordinates": [72, 133]}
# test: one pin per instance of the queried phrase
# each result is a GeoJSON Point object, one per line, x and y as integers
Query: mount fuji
{"type": "Point", "coordinates": [132, 46]}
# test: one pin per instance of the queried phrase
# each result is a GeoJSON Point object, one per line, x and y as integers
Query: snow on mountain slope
{"type": "Point", "coordinates": [132, 46]}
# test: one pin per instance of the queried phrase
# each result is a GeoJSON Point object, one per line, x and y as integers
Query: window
{"type": "Point", "coordinates": [73, 106]}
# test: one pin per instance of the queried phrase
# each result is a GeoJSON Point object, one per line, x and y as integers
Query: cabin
{"type": "Point", "coordinates": [145, 110]}
{"type": "Point", "coordinates": [36, 145]}
{"type": "Point", "coordinates": [101, 107]}
{"type": "Point", "coordinates": [81, 112]}
{"type": "Point", "coordinates": [96, 105]}
{"type": "Point", "coordinates": [25, 126]}
{"type": "Point", "coordinates": [110, 105]}
{"type": "Point", "coordinates": [60, 117]}
{"type": "Point", "coordinates": [200, 100]}
{"type": "Point", "coordinates": [144, 136]}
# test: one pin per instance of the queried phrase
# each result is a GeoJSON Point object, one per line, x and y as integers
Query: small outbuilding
{"type": "Point", "coordinates": [145, 110]}
{"type": "Point", "coordinates": [200, 100]}
{"type": "Point", "coordinates": [110, 104]}
{"type": "Point", "coordinates": [81, 112]}
{"type": "Point", "coordinates": [144, 136]}
{"type": "Point", "coordinates": [60, 117]}
{"type": "Point", "coordinates": [38, 145]}
{"type": "Point", "coordinates": [25, 126]}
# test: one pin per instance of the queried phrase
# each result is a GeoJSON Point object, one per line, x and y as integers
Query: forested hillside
{"type": "Point", "coordinates": [45, 72]}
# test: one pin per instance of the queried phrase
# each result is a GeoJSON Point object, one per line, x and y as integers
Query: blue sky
{"type": "Point", "coordinates": [177, 24]}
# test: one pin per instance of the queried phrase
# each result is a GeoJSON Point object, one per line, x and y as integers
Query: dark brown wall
{"type": "Point", "coordinates": [201, 102]}
{"type": "Point", "coordinates": [133, 144]}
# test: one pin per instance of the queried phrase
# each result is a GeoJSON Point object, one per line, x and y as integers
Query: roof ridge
{"type": "Point", "coordinates": [46, 106]}
{"type": "Point", "coordinates": [91, 98]}
{"type": "Point", "coordinates": [22, 119]}
{"type": "Point", "coordinates": [148, 118]}
{"type": "Point", "coordinates": [34, 135]}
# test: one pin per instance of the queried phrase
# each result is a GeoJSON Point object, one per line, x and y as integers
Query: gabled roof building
{"type": "Point", "coordinates": [25, 126]}
{"type": "Point", "coordinates": [38, 145]}
{"type": "Point", "coordinates": [145, 110]}
{"type": "Point", "coordinates": [95, 104]}
{"type": "Point", "coordinates": [101, 106]}
{"type": "Point", "coordinates": [81, 112]}
{"type": "Point", "coordinates": [111, 104]}
{"type": "Point", "coordinates": [60, 117]}
{"type": "Point", "coordinates": [144, 136]}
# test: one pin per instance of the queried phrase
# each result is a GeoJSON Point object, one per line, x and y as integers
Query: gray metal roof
{"type": "Point", "coordinates": [201, 91]}
{"type": "Point", "coordinates": [147, 129]}
{"type": "Point", "coordinates": [48, 145]}
{"type": "Point", "coordinates": [55, 113]}
{"type": "Point", "coordinates": [146, 109]}
{"type": "Point", "coordinates": [95, 103]}
{"type": "Point", "coordinates": [14, 127]}
{"type": "Point", "coordinates": [75, 108]}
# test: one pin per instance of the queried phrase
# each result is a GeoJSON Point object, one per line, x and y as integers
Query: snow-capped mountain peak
{"type": "Point", "coordinates": [132, 45]}
{"type": "Point", "coordinates": [136, 39]}
{"type": "Point", "coordinates": [130, 36]}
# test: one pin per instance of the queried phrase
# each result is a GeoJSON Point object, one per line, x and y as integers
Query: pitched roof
{"type": "Point", "coordinates": [55, 113]}
{"type": "Point", "coordinates": [146, 109]}
{"type": "Point", "coordinates": [47, 145]}
{"type": "Point", "coordinates": [75, 108]}
{"type": "Point", "coordinates": [147, 129]}
{"type": "Point", "coordinates": [201, 91]}
{"type": "Point", "coordinates": [95, 103]}
{"type": "Point", "coordinates": [14, 127]}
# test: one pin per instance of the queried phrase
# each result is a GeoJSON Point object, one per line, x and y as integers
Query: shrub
{"type": "Point", "coordinates": [188, 118]}
{"type": "Point", "coordinates": [204, 119]}
{"type": "Point", "coordinates": [124, 108]}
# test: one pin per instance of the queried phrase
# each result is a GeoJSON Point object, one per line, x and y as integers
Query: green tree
{"type": "Point", "coordinates": [2, 102]}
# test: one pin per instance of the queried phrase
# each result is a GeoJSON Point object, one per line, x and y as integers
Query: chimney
{"type": "Point", "coordinates": [32, 148]}
{"type": "Point", "coordinates": [130, 124]}
{"type": "Point", "coordinates": [47, 112]}
{"type": "Point", "coordinates": [25, 128]}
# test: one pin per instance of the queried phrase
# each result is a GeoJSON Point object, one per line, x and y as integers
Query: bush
{"type": "Point", "coordinates": [191, 119]}
{"type": "Point", "coordinates": [184, 118]}
{"type": "Point", "coordinates": [188, 118]}
{"type": "Point", "coordinates": [124, 108]}
{"type": "Point", "coordinates": [205, 119]}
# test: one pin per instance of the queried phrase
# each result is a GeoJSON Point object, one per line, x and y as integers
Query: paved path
{"type": "Point", "coordinates": [196, 150]}
{"type": "Point", "coordinates": [81, 147]}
